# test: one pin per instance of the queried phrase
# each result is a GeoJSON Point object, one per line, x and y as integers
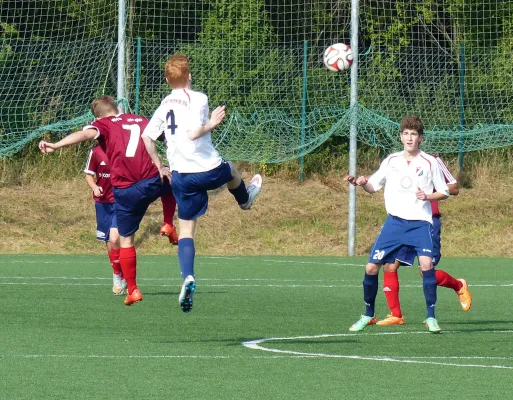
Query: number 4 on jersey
{"type": "Point", "coordinates": [170, 117]}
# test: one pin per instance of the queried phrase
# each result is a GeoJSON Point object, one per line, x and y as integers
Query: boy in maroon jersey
{"type": "Point", "coordinates": [135, 179]}
{"type": "Point", "coordinates": [406, 257]}
{"type": "Point", "coordinates": [97, 172]}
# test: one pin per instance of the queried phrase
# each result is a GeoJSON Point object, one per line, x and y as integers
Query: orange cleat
{"type": "Point", "coordinates": [464, 295]}
{"type": "Point", "coordinates": [170, 232]}
{"type": "Point", "coordinates": [133, 297]}
{"type": "Point", "coordinates": [391, 320]}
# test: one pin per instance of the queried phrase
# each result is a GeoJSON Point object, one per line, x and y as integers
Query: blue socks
{"type": "Point", "coordinates": [186, 253]}
{"type": "Point", "coordinates": [370, 291]}
{"type": "Point", "coordinates": [240, 193]}
{"type": "Point", "coordinates": [429, 284]}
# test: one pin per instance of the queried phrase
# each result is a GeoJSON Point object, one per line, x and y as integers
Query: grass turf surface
{"type": "Point", "coordinates": [64, 335]}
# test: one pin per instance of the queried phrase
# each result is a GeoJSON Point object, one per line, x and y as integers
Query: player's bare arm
{"type": "Point", "coordinates": [151, 148]}
{"type": "Point", "coordinates": [362, 181]}
{"type": "Point", "coordinates": [421, 195]}
{"type": "Point", "coordinates": [215, 120]}
{"type": "Point", "coordinates": [73, 138]}
{"type": "Point", "coordinates": [97, 190]}
{"type": "Point", "coordinates": [454, 189]}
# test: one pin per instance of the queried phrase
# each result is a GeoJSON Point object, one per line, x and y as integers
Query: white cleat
{"type": "Point", "coordinates": [253, 190]}
{"type": "Point", "coordinates": [185, 298]}
{"type": "Point", "coordinates": [118, 285]}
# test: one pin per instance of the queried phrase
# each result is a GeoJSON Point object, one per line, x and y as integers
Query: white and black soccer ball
{"type": "Point", "coordinates": [338, 57]}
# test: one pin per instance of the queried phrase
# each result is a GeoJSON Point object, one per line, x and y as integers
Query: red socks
{"type": "Point", "coordinates": [114, 260]}
{"type": "Point", "coordinates": [446, 280]}
{"type": "Point", "coordinates": [391, 289]}
{"type": "Point", "coordinates": [168, 208]}
{"type": "Point", "coordinates": [128, 262]}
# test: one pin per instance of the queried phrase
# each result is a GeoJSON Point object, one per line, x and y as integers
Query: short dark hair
{"type": "Point", "coordinates": [412, 122]}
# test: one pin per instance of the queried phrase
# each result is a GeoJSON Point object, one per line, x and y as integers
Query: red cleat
{"type": "Point", "coordinates": [133, 297]}
{"type": "Point", "coordinates": [170, 232]}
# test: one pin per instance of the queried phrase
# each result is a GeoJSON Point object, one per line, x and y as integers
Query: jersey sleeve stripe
{"type": "Point", "coordinates": [87, 170]}
{"type": "Point", "coordinates": [447, 174]}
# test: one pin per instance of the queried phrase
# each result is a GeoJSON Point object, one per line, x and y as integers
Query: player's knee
{"type": "Point", "coordinates": [372, 269]}
{"type": "Point", "coordinates": [391, 267]}
{"type": "Point", "coordinates": [425, 263]}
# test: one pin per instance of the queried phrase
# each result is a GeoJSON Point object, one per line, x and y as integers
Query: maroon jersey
{"type": "Point", "coordinates": [98, 164]}
{"type": "Point", "coordinates": [120, 138]}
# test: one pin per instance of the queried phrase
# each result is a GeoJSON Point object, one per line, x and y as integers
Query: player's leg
{"type": "Point", "coordinates": [418, 234]}
{"type": "Point", "coordinates": [128, 262]}
{"type": "Point", "coordinates": [105, 220]}
{"type": "Point", "coordinates": [118, 282]}
{"type": "Point", "coordinates": [192, 198]}
{"type": "Point", "coordinates": [429, 285]}
{"type": "Point", "coordinates": [169, 207]}
{"type": "Point", "coordinates": [460, 286]}
{"type": "Point", "coordinates": [131, 205]}
{"type": "Point", "coordinates": [370, 291]}
{"type": "Point", "coordinates": [391, 289]}
{"type": "Point", "coordinates": [245, 196]}
{"type": "Point", "coordinates": [383, 251]}
{"type": "Point", "coordinates": [186, 255]}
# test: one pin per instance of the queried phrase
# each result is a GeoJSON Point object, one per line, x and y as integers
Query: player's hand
{"type": "Point", "coordinates": [98, 191]}
{"type": "Point", "coordinates": [421, 195]}
{"type": "Point", "coordinates": [46, 147]}
{"type": "Point", "coordinates": [217, 116]}
{"type": "Point", "coordinates": [165, 174]}
{"type": "Point", "coordinates": [351, 179]}
{"type": "Point", "coordinates": [362, 180]}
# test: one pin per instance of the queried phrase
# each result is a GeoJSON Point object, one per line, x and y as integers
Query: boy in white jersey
{"type": "Point", "coordinates": [195, 164]}
{"type": "Point", "coordinates": [412, 179]}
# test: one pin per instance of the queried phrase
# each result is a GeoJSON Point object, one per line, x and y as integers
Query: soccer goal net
{"type": "Point", "coordinates": [448, 61]}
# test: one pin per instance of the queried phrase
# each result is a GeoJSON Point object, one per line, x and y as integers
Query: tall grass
{"type": "Point", "coordinates": [482, 168]}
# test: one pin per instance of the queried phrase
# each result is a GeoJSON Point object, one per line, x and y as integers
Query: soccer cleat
{"type": "Point", "coordinates": [362, 323]}
{"type": "Point", "coordinates": [253, 190]}
{"type": "Point", "coordinates": [118, 285]}
{"type": "Point", "coordinates": [133, 297]}
{"type": "Point", "coordinates": [464, 295]}
{"type": "Point", "coordinates": [391, 320]}
{"type": "Point", "coordinates": [432, 325]}
{"type": "Point", "coordinates": [169, 231]}
{"type": "Point", "coordinates": [185, 298]}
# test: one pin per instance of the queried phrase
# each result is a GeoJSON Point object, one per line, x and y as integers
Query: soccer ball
{"type": "Point", "coordinates": [338, 57]}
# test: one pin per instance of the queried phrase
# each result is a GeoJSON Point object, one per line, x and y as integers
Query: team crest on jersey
{"type": "Point", "coordinates": [419, 171]}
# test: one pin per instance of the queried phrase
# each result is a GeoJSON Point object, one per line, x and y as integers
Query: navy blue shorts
{"type": "Point", "coordinates": [132, 202]}
{"type": "Point", "coordinates": [190, 189]}
{"type": "Point", "coordinates": [398, 232]}
{"type": "Point", "coordinates": [105, 220]}
{"type": "Point", "coordinates": [406, 255]}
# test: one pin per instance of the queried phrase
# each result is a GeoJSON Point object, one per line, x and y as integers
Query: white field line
{"type": "Point", "coordinates": [208, 282]}
{"type": "Point", "coordinates": [202, 259]}
{"type": "Point", "coordinates": [39, 281]}
{"type": "Point", "coordinates": [256, 345]}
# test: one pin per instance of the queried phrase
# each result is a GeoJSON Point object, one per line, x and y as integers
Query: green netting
{"type": "Point", "coordinates": [54, 59]}
{"type": "Point", "coordinates": [448, 61]}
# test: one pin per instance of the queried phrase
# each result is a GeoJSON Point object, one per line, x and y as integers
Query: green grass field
{"type": "Point", "coordinates": [261, 327]}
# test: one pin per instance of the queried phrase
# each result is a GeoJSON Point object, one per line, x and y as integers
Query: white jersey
{"type": "Point", "coordinates": [179, 113]}
{"type": "Point", "coordinates": [402, 179]}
